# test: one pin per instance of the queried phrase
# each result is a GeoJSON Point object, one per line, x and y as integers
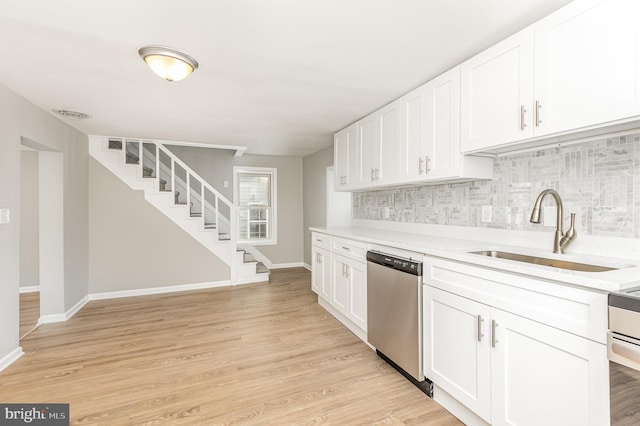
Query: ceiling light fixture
{"type": "Point", "coordinates": [170, 64]}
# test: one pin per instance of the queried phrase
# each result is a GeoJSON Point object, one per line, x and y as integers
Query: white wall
{"type": "Point", "coordinates": [134, 246]}
{"type": "Point", "coordinates": [20, 120]}
{"type": "Point", "coordinates": [315, 169]}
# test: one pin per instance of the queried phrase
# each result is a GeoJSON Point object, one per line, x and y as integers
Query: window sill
{"type": "Point", "coordinates": [271, 242]}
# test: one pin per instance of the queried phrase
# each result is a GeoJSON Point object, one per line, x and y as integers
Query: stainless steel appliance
{"type": "Point", "coordinates": [623, 351]}
{"type": "Point", "coordinates": [394, 313]}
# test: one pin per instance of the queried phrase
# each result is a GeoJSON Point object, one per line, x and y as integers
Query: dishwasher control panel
{"type": "Point", "coordinates": [402, 264]}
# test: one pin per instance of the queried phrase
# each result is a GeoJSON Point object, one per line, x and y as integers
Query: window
{"type": "Point", "coordinates": [255, 195]}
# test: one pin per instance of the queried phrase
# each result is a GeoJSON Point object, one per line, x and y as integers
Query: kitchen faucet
{"type": "Point", "coordinates": [561, 240]}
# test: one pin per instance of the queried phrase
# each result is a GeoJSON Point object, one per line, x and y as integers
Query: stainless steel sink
{"type": "Point", "coordinates": [555, 263]}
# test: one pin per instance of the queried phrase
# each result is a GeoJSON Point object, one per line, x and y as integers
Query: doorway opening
{"type": "Point", "coordinates": [41, 235]}
{"type": "Point", "coordinates": [29, 242]}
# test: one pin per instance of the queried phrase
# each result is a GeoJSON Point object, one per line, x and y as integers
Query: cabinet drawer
{"type": "Point", "coordinates": [321, 240]}
{"type": "Point", "coordinates": [578, 311]}
{"type": "Point", "coordinates": [352, 249]}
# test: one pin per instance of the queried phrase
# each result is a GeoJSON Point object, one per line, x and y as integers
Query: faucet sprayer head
{"type": "Point", "coordinates": [535, 214]}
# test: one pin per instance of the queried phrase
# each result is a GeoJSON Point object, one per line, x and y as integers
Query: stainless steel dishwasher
{"type": "Point", "coordinates": [394, 314]}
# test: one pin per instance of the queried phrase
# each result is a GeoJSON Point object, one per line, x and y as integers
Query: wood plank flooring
{"type": "Point", "coordinates": [29, 312]}
{"type": "Point", "coordinates": [258, 354]}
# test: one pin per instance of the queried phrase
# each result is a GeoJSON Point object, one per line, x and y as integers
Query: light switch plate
{"type": "Point", "coordinates": [5, 215]}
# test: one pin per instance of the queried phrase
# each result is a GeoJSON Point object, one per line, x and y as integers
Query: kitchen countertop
{"type": "Point", "coordinates": [458, 249]}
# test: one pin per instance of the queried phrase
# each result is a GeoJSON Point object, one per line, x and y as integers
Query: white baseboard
{"type": "Point", "coordinates": [158, 290]}
{"type": "Point", "coordinates": [10, 358]}
{"type": "Point", "coordinates": [260, 278]}
{"type": "Point", "coordinates": [29, 289]}
{"type": "Point", "coordinates": [287, 265]}
{"type": "Point", "coordinates": [46, 319]}
{"type": "Point", "coordinates": [306, 266]}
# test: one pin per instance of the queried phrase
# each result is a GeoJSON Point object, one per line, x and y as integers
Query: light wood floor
{"type": "Point", "coordinates": [29, 312]}
{"type": "Point", "coordinates": [263, 354]}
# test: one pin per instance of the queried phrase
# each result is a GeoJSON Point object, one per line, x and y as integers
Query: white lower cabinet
{"type": "Point", "coordinates": [339, 278]}
{"type": "Point", "coordinates": [542, 375]}
{"type": "Point", "coordinates": [350, 289]}
{"type": "Point", "coordinates": [321, 272]}
{"type": "Point", "coordinates": [508, 369]}
{"type": "Point", "coordinates": [458, 358]}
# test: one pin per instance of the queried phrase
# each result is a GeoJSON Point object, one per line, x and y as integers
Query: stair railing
{"type": "Point", "coordinates": [218, 197]}
{"type": "Point", "coordinates": [191, 176]}
{"type": "Point", "coordinates": [204, 185]}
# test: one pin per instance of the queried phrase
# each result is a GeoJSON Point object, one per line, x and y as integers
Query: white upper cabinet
{"type": "Point", "coordinates": [442, 112]}
{"type": "Point", "coordinates": [388, 144]}
{"type": "Point", "coordinates": [430, 144]}
{"type": "Point", "coordinates": [378, 145]}
{"type": "Point", "coordinates": [586, 65]}
{"type": "Point", "coordinates": [413, 147]}
{"type": "Point", "coordinates": [497, 91]}
{"type": "Point", "coordinates": [575, 70]}
{"type": "Point", "coordinates": [367, 138]}
{"type": "Point", "coordinates": [346, 158]}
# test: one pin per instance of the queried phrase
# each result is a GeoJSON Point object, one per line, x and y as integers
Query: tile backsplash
{"type": "Point", "coordinates": [599, 180]}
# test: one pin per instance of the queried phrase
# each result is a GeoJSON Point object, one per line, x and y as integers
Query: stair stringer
{"type": "Point", "coordinates": [163, 201]}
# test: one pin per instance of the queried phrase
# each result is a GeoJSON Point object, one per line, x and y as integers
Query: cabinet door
{"type": "Point", "coordinates": [340, 284]}
{"type": "Point", "coordinates": [587, 65]}
{"type": "Point", "coordinates": [387, 144]}
{"type": "Point", "coordinates": [497, 94]}
{"type": "Point", "coordinates": [413, 137]}
{"type": "Point", "coordinates": [321, 273]}
{"type": "Point", "coordinates": [345, 158]}
{"type": "Point", "coordinates": [367, 150]}
{"type": "Point", "coordinates": [441, 153]}
{"type": "Point", "coordinates": [545, 376]}
{"type": "Point", "coordinates": [357, 274]}
{"type": "Point", "coordinates": [457, 350]}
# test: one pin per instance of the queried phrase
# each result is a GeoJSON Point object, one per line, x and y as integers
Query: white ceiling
{"type": "Point", "coordinates": [277, 76]}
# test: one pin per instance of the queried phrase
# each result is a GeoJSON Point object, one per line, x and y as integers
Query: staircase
{"type": "Point", "coordinates": [182, 196]}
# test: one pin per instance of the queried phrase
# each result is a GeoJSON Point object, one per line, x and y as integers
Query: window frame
{"type": "Point", "coordinates": [272, 220]}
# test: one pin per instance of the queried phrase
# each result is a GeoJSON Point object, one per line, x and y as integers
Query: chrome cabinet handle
{"type": "Point", "coordinates": [420, 162]}
{"type": "Point", "coordinates": [426, 163]}
{"type": "Point", "coordinates": [522, 113]}
{"type": "Point", "coordinates": [538, 106]}
{"type": "Point", "coordinates": [345, 248]}
{"type": "Point", "coordinates": [480, 335]}
{"type": "Point", "coordinates": [494, 339]}
{"type": "Point", "coordinates": [347, 271]}
{"type": "Point", "coordinates": [377, 174]}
